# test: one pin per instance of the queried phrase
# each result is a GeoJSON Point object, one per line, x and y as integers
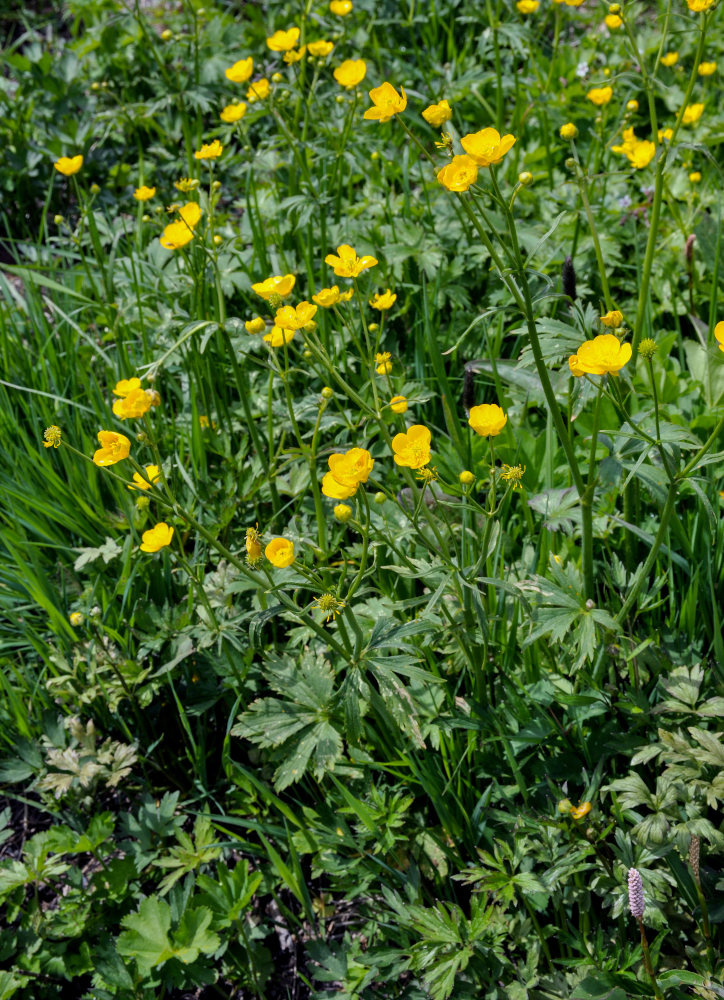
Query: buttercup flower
{"type": "Point", "coordinates": [153, 474]}
{"type": "Point", "coordinates": [178, 234]}
{"type": "Point", "coordinates": [459, 174]}
{"type": "Point", "coordinates": [75, 618]}
{"type": "Point", "coordinates": [135, 404]}
{"type": "Point", "coordinates": [126, 386]}
{"type": "Point", "coordinates": [719, 334]}
{"type": "Point", "coordinates": [294, 317]}
{"type": "Point", "coordinates": [573, 3]}
{"type": "Point", "coordinates": [51, 437]}
{"type": "Point", "coordinates": [664, 134]}
{"type": "Point", "coordinates": [528, 6]}
{"type": "Point", "coordinates": [640, 152]}
{"type": "Point", "coordinates": [277, 336]}
{"type": "Point", "coordinates": [209, 151]}
{"type": "Point", "coordinates": [581, 810]}
{"type": "Point", "coordinates": [280, 552]}
{"type": "Point", "coordinates": [291, 57]}
{"type": "Point", "coordinates": [240, 71]}
{"type": "Point", "coordinates": [278, 284]}
{"type": "Point", "coordinates": [258, 91]}
{"type": "Point", "coordinates": [348, 264]}
{"type": "Point", "coordinates": [282, 41]}
{"type": "Point", "coordinates": [700, 5]}
{"type": "Point", "coordinates": [327, 297]}
{"type": "Point", "coordinates": [488, 419]}
{"type": "Point", "coordinates": [233, 113]}
{"type": "Point", "coordinates": [706, 68]}
{"type": "Point", "coordinates": [487, 146]}
{"type": "Point", "coordinates": [612, 318]}
{"type": "Point", "coordinates": [253, 546]}
{"type": "Point", "coordinates": [186, 184]}
{"type": "Point", "coordinates": [398, 404]}
{"type": "Point", "coordinates": [437, 114]}
{"type": "Point", "coordinates": [384, 365]}
{"type": "Point", "coordinates": [692, 114]}
{"type": "Point", "coordinates": [256, 325]}
{"type": "Point", "coordinates": [346, 472]}
{"type": "Point", "coordinates": [603, 355]}
{"type": "Point", "coordinates": [69, 165]}
{"type": "Point", "coordinates": [144, 193]}
{"type": "Point", "coordinates": [320, 48]}
{"type": "Point", "coordinates": [670, 59]}
{"type": "Point", "coordinates": [113, 448]}
{"type": "Point", "coordinates": [412, 449]}
{"type": "Point", "coordinates": [612, 21]}
{"type": "Point", "coordinates": [600, 95]}
{"type": "Point", "coordinates": [157, 537]}
{"type": "Point", "coordinates": [574, 366]}
{"type": "Point", "coordinates": [383, 301]}
{"type": "Point", "coordinates": [351, 72]}
{"type": "Point", "coordinates": [340, 7]}
{"type": "Point", "coordinates": [387, 103]}
{"type": "Point", "coordinates": [568, 131]}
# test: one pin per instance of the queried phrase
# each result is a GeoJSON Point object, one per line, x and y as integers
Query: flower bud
{"type": "Point", "coordinates": [327, 393]}
{"type": "Point", "coordinates": [343, 513]}
{"type": "Point", "coordinates": [568, 131]}
{"type": "Point", "coordinates": [58, 220]}
{"type": "Point", "coordinates": [166, 35]}
{"type": "Point", "coordinates": [379, 498]}
{"type": "Point", "coordinates": [374, 155]}
{"type": "Point", "coordinates": [614, 8]}
{"type": "Point", "coordinates": [307, 355]}
{"type": "Point", "coordinates": [373, 327]}
{"type": "Point", "coordinates": [95, 85]}
{"type": "Point", "coordinates": [277, 78]}
{"type": "Point", "coordinates": [146, 218]}
{"type": "Point", "coordinates": [525, 178]}
{"type": "Point", "coordinates": [95, 189]}
{"type": "Point", "coordinates": [466, 478]}
{"type": "Point", "coordinates": [647, 348]}
{"type": "Point", "coordinates": [571, 164]}
{"type": "Point", "coordinates": [215, 185]}
{"type": "Point", "coordinates": [218, 240]}
{"type": "Point", "coordinates": [632, 105]}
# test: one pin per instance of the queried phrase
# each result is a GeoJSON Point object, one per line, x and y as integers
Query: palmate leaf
{"type": "Point", "coordinates": [149, 940]}
{"type": "Point", "coordinates": [299, 725]}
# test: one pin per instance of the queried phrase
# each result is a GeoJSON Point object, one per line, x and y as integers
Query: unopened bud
{"type": "Point", "coordinates": [218, 240]}
{"type": "Point", "coordinates": [379, 498]}
{"type": "Point", "coordinates": [343, 513]}
{"type": "Point", "coordinates": [277, 78]}
{"type": "Point", "coordinates": [327, 393]}
{"type": "Point", "coordinates": [525, 178]}
{"type": "Point", "coordinates": [647, 348]}
{"type": "Point", "coordinates": [466, 478]}
{"type": "Point", "coordinates": [58, 220]}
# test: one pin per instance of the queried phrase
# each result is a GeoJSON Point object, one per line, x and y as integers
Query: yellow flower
{"type": "Point", "coordinates": [157, 537]}
{"type": "Point", "coordinates": [665, 134]}
{"type": "Point", "coordinates": [327, 297]}
{"type": "Point", "coordinates": [695, 176]}
{"type": "Point", "coordinates": [383, 301]}
{"type": "Point", "coordinates": [437, 114]}
{"type": "Point", "coordinates": [459, 174]}
{"type": "Point", "coordinates": [351, 72]}
{"type": "Point", "coordinates": [276, 337]}
{"type": "Point", "coordinates": [340, 7]}
{"type": "Point", "coordinates": [178, 234]}
{"type": "Point", "coordinates": [387, 103]}
{"type": "Point", "coordinates": [692, 114]}
{"type": "Point", "coordinates": [280, 552]}
{"type": "Point", "coordinates": [209, 151]}
{"type": "Point", "coordinates": [706, 68]}
{"type": "Point", "coordinates": [513, 474]}
{"type": "Point", "coordinates": [581, 810]}
{"type": "Point", "coordinates": [51, 437]}
{"type": "Point", "coordinates": [565, 806]}
{"type": "Point", "coordinates": [126, 386]}
{"type": "Point", "coordinates": [640, 152]}
{"type": "Point", "coordinates": [320, 48]}
{"type": "Point", "coordinates": [283, 41]}
{"type": "Point", "coordinates": [528, 6]}
{"type": "Point", "coordinates": [278, 284]}
{"type": "Point", "coordinates": [253, 546]}
{"type": "Point", "coordinates": [412, 449]}
{"type": "Point", "coordinates": [240, 71]}
{"type": "Point", "coordinates": [398, 404]}
{"type": "Point", "coordinates": [700, 5]}
{"type": "Point", "coordinates": [466, 478]}
{"type": "Point", "coordinates": [384, 365]}
{"type": "Point", "coordinates": [568, 131]}
{"type": "Point", "coordinates": [75, 618]}
{"type": "Point", "coordinates": [488, 419]}
{"type": "Point", "coordinates": [487, 146]}
{"type": "Point", "coordinates": [612, 21]}
{"type": "Point", "coordinates": [291, 57]}
{"type": "Point", "coordinates": [186, 184]}
{"type": "Point", "coordinates": [600, 95]}
{"type": "Point", "coordinates": [632, 105]}
{"type": "Point", "coordinates": [346, 472]}
{"type": "Point", "coordinates": [294, 317]}
{"type": "Point", "coordinates": [233, 113]}
{"type": "Point", "coordinates": [144, 193]}
{"type": "Point", "coordinates": [135, 404]}
{"type": "Point", "coordinates": [153, 474]}
{"type": "Point", "coordinates": [612, 318]}
{"type": "Point", "coordinates": [670, 59]}
{"type": "Point", "coordinates": [574, 367]}
{"type": "Point", "coordinates": [348, 264]}
{"type": "Point", "coordinates": [256, 325]}
{"type": "Point", "coordinates": [573, 3]}
{"type": "Point", "coordinates": [603, 355]}
{"type": "Point", "coordinates": [69, 165]}
{"type": "Point", "coordinates": [328, 605]}
{"type": "Point", "coordinates": [258, 91]}
{"type": "Point", "coordinates": [113, 448]}
{"type": "Point", "coordinates": [719, 334]}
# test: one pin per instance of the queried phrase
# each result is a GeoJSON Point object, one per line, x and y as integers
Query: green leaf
{"type": "Point", "coordinates": [146, 938]}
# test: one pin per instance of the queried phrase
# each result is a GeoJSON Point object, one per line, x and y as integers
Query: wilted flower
{"type": "Point", "coordinates": [387, 103]}
{"type": "Point", "coordinates": [69, 165]}
{"type": "Point", "coordinates": [383, 301]}
{"type": "Point", "coordinates": [351, 72]}
{"type": "Point", "coordinates": [348, 264]}
{"type": "Point", "coordinates": [437, 114]}
{"type": "Point", "coordinates": [51, 437]}
{"type": "Point", "coordinates": [186, 184]}
{"type": "Point", "coordinates": [459, 174]}
{"type": "Point", "coordinates": [647, 348]}
{"type": "Point", "coordinates": [282, 41]}
{"type": "Point", "coordinates": [157, 537]}
{"type": "Point", "coordinates": [144, 193]}
{"type": "Point", "coordinates": [328, 605]}
{"type": "Point", "coordinates": [600, 95]}
{"type": "Point", "coordinates": [113, 448]}
{"type": "Point", "coordinates": [581, 810]}
{"type": "Point", "coordinates": [488, 419]}
{"type": "Point", "coordinates": [412, 449]}
{"type": "Point", "coordinates": [233, 113]}
{"type": "Point", "coordinates": [253, 546]}
{"type": "Point", "coordinates": [487, 147]}
{"type": "Point", "coordinates": [75, 618]}
{"type": "Point", "coordinates": [513, 474]}
{"type": "Point", "coordinates": [240, 71]}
